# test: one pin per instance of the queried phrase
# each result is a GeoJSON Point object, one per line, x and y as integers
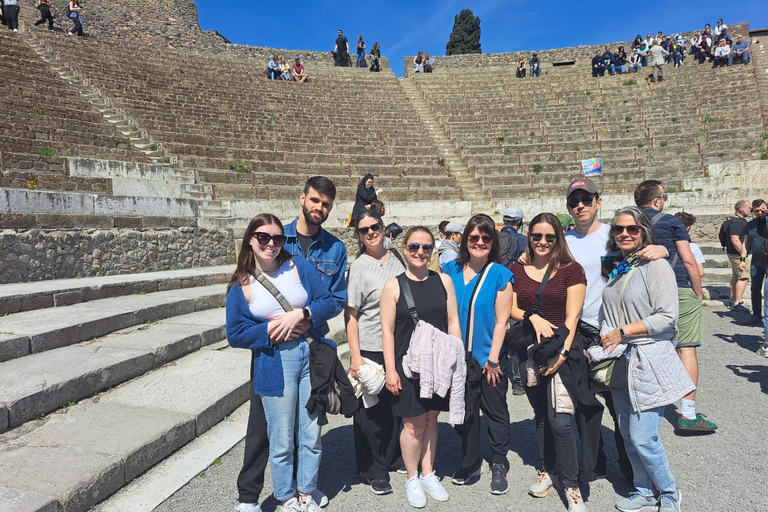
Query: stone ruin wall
{"type": "Point", "coordinates": [509, 59]}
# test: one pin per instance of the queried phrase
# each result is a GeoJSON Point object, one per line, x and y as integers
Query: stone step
{"type": "Point", "coordinates": [93, 448]}
{"type": "Point", "coordinates": [17, 297]}
{"type": "Point", "coordinates": [40, 383]}
{"type": "Point", "coordinates": [31, 332]}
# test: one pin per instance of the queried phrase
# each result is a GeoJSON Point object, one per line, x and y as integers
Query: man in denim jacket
{"type": "Point", "coordinates": [308, 240]}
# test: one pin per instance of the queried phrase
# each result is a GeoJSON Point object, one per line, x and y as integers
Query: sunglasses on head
{"type": "Point", "coordinates": [413, 248]}
{"type": "Point", "coordinates": [264, 238]}
{"type": "Point", "coordinates": [550, 238]}
{"type": "Point", "coordinates": [364, 231]}
{"type": "Point", "coordinates": [586, 201]}
{"type": "Point", "coordinates": [632, 230]}
{"type": "Point", "coordinates": [473, 239]}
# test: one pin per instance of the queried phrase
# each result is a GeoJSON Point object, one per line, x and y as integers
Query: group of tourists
{"type": "Point", "coordinates": [594, 310]}
{"type": "Point", "coordinates": [343, 57]}
{"type": "Point", "coordinates": [9, 15]}
{"type": "Point", "coordinates": [279, 69]}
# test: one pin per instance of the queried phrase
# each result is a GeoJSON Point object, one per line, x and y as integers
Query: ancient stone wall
{"type": "Point", "coordinates": [35, 255]}
{"type": "Point", "coordinates": [577, 53]}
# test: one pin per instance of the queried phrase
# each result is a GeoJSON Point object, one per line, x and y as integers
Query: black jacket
{"type": "Point", "coordinates": [363, 198]}
{"type": "Point", "coordinates": [325, 371]}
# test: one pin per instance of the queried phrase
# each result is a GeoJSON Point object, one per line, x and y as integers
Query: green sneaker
{"type": "Point", "coordinates": [698, 424]}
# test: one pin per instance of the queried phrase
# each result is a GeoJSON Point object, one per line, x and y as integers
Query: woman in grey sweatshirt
{"type": "Point", "coordinates": [640, 310]}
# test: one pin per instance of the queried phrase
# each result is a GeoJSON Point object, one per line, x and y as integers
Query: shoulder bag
{"type": "Point", "coordinates": [611, 374]}
{"type": "Point", "coordinates": [521, 335]}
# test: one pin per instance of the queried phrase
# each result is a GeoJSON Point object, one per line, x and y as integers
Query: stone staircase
{"type": "Point", "coordinates": [101, 378]}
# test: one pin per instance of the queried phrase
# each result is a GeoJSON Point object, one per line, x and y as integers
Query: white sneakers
{"type": "Point", "coordinates": [432, 485]}
{"type": "Point", "coordinates": [415, 493]}
{"type": "Point", "coordinates": [248, 507]}
{"type": "Point", "coordinates": [415, 487]}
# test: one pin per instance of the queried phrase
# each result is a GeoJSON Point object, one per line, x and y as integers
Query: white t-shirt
{"type": "Point", "coordinates": [264, 305]}
{"type": "Point", "coordinates": [588, 251]}
{"type": "Point", "coordinates": [696, 250]}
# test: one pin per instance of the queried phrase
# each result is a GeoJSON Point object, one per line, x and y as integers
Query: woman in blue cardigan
{"type": "Point", "coordinates": [256, 321]}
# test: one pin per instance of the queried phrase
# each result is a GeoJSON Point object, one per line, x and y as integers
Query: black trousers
{"type": "Point", "coordinates": [78, 29]}
{"type": "Point", "coordinates": [377, 434]}
{"type": "Point", "coordinates": [12, 16]}
{"type": "Point", "coordinates": [554, 433]}
{"type": "Point", "coordinates": [45, 15]}
{"type": "Point", "coordinates": [250, 481]}
{"type": "Point", "coordinates": [482, 396]}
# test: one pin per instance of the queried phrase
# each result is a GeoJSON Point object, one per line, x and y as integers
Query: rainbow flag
{"type": "Point", "coordinates": [592, 167]}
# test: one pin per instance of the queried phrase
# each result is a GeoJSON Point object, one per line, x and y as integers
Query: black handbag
{"type": "Point", "coordinates": [521, 335]}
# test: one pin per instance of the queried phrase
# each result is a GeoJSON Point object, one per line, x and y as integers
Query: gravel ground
{"type": "Point", "coordinates": [717, 472]}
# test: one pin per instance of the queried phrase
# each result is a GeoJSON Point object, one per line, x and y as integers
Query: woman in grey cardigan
{"type": "Point", "coordinates": [640, 309]}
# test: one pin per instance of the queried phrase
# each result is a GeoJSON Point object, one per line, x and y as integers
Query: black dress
{"type": "Point", "coordinates": [431, 301]}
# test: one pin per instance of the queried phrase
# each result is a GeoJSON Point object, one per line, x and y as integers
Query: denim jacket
{"type": "Point", "coordinates": [329, 256]}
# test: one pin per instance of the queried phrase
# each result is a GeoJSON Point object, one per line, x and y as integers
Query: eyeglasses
{"type": "Point", "coordinates": [664, 197]}
{"type": "Point", "coordinates": [414, 248]}
{"type": "Point", "coordinates": [550, 238]}
{"type": "Point", "coordinates": [264, 238]}
{"type": "Point", "coordinates": [473, 239]}
{"type": "Point", "coordinates": [632, 230]}
{"type": "Point", "coordinates": [586, 201]}
{"type": "Point", "coordinates": [375, 228]}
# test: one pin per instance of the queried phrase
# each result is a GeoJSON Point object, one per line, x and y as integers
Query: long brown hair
{"type": "Point", "coordinates": [486, 226]}
{"type": "Point", "coordinates": [246, 264]}
{"type": "Point", "coordinates": [561, 255]}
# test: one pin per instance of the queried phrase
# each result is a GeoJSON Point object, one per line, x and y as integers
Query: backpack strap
{"type": "Point", "coordinates": [279, 297]}
{"type": "Point", "coordinates": [471, 310]}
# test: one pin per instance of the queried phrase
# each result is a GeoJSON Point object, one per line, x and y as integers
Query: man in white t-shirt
{"type": "Point", "coordinates": [587, 243]}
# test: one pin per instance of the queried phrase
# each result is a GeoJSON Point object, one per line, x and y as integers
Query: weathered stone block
{"type": "Point", "coordinates": [169, 284]}
{"type": "Point", "coordinates": [36, 302]}
{"type": "Point", "coordinates": [155, 222]}
{"type": "Point", "coordinates": [17, 221]}
{"type": "Point", "coordinates": [67, 298]}
{"type": "Point", "coordinates": [16, 500]}
{"type": "Point", "coordinates": [146, 287]}
{"type": "Point", "coordinates": [4, 420]}
{"type": "Point", "coordinates": [128, 222]}
{"type": "Point", "coordinates": [11, 305]}
{"type": "Point", "coordinates": [13, 346]}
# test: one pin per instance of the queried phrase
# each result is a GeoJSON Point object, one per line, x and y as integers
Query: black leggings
{"type": "Point", "coordinates": [45, 13]}
{"type": "Point", "coordinates": [78, 28]}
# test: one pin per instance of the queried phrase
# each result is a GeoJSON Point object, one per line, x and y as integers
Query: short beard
{"type": "Point", "coordinates": [309, 220]}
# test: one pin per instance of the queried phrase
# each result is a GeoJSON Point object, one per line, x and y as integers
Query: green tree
{"type": "Point", "coordinates": [465, 37]}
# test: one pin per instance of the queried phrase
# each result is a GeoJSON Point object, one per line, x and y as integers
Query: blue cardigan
{"type": "Point", "coordinates": [247, 331]}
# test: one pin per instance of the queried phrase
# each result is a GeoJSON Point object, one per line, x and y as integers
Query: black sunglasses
{"type": "Point", "coordinates": [375, 228]}
{"type": "Point", "coordinates": [413, 248]}
{"type": "Point", "coordinates": [550, 238]}
{"type": "Point", "coordinates": [632, 230]}
{"type": "Point", "coordinates": [586, 201]}
{"type": "Point", "coordinates": [473, 239]}
{"type": "Point", "coordinates": [264, 238]}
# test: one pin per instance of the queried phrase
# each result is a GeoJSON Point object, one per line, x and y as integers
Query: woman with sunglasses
{"type": "Point", "coordinates": [277, 339]}
{"type": "Point", "coordinates": [561, 303]}
{"type": "Point", "coordinates": [486, 378]}
{"type": "Point", "coordinates": [640, 308]}
{"type": "Point", "coordinates": [376, 428]}
{"type": "Point", "coordinates": [435, 301]}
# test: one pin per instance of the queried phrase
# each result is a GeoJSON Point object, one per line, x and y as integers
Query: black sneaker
{"type": "Point", "coordinates": [465, 475]}
{"type": "Point", "coordinates": [380, 486]}
{"type": "Point", "coordinates": [499, 483]}
{"type": "Point", "coordinates": [518, 389]}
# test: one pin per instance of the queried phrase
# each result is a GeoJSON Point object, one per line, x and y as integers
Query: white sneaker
{"type": "Point", "coordinates": [310, 505]}
{"type": "Point", "coordinates": [432, 485]}
{"type": "Point", "coordinates": [320, 498]}
{"type": "Point", "coordinates": [248, 507]}
{"type": "Point", "coordinates": [292, 505]}
{"type": "Point", "coordinates": [575, 501]}
{"type": "Point", "coordinates": [763, 350]}
{"type": "Point", "coordinates": [415, 493]}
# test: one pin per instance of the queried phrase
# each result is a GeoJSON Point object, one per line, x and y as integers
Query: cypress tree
{"type": "Point", "coordinates": [465, 37]}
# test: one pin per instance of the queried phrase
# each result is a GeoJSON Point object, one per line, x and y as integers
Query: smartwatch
{"type": "Point", "coordinates": [621, 331]}
{"type": "Point", "coordinates": [306, 312]}
{"type": "Point", "coordinates": [564, 353]}
{"type": "Point", "coordinates": [742, 259]}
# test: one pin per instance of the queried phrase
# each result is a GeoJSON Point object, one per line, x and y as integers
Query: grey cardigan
{"type": "Point", "coordinates": [656, 377]}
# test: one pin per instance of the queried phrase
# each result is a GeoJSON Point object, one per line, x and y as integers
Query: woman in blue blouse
{"type": "Point", "coordinates": [487, 385]}
{"type": "Point", "coordinates": [278, 339]}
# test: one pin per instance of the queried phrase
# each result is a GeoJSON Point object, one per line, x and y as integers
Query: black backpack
{"type": "Point", "coordinates": [723, 234]}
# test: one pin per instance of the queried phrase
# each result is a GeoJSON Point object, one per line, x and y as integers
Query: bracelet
{"type": "Point", "coordinates": [492, 364]}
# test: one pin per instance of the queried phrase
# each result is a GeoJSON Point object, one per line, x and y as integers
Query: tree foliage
{"type": "Point", "coordinates": [465, 37]}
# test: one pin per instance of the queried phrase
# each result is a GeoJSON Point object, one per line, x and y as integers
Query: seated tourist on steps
{"type": "Point", "coordinates": [739, 51]}
{"type": "Point", "coordinates": [298, 72]}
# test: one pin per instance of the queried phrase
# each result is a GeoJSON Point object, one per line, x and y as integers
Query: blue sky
{"type": "Point", "coordinates": [404, 27]}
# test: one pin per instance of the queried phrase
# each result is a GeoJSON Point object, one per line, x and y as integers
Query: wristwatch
{"type": "Point", "coordinates": [742, 259]}
{"type": "Point", "coordinates": [564, 353]}
{"type": "Point", "coordinates": [621, 331]}
{"type": "Point", "coordinates": [306, 312]}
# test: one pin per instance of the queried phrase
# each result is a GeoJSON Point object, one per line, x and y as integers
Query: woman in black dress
{"type": "Point", "coordinates": [366, 194]}
{"type": "Point", "coordinates": [435, 300]}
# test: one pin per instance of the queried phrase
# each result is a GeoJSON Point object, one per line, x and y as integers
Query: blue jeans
{"type": "Point", "coordinates": [286, 414]}
{"type": "Point", "coordinates": [744, 57]}
{"type": "Point", "coordinates": [643, 445]}
{"type": "Point", "coordinates": [757, 273]}
{"type": "Point", "coordinates": [535, 70]}
{"type": "Point", "coordinates": [360, 63]}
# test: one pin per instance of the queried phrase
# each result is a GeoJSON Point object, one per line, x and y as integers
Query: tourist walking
{"type": "Point", "coordinates": [76, 17]}
{"type": "Point", "coordinates": [44, 6]}
{"type": "Point", "coordinates": [376, 428]}
{"type": "Point", "coordinates": [484, 297]}
{"type": "Point", "coordinates": [269, 296]}
{"type": "Point", "coordinates": [640, 309]}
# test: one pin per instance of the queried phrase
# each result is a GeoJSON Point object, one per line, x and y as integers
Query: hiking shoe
{"type": "Point", "coordinates": [636, 502]}
{"type": "Point", "coordinates": [292, 505]}
{"type": "Point", "coordinates": [415, 493]}
{"type": "Point", "coordinates": [320, 498]}
{"type": "Point", "coordinates": [698, 424]}
{"type": "Point", "coordinates": [670, 502]}
{"type": "Point", "coordinates": [518, 389]}
{"type": "Point", "coordinates": [740, 308]}
{"type": "Point", "coordinates": [380, 486]}
{"type": "Point", "coordinates": [763, 350]}
{"type": "Point", "coordinates": [434, 488]}
{"type": "Point", "coordinates": [543, 485]}
{"type": "Point", "coordinates": [310, 505]}
{"type": "Point", "coordinates": [248, 507]}
{"type": "Point", "coordinates": [499, 483]}
{"type": "Point", "coordinates": [464, 475]}
{"type": "Point", "coordinates": [575, 501]}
